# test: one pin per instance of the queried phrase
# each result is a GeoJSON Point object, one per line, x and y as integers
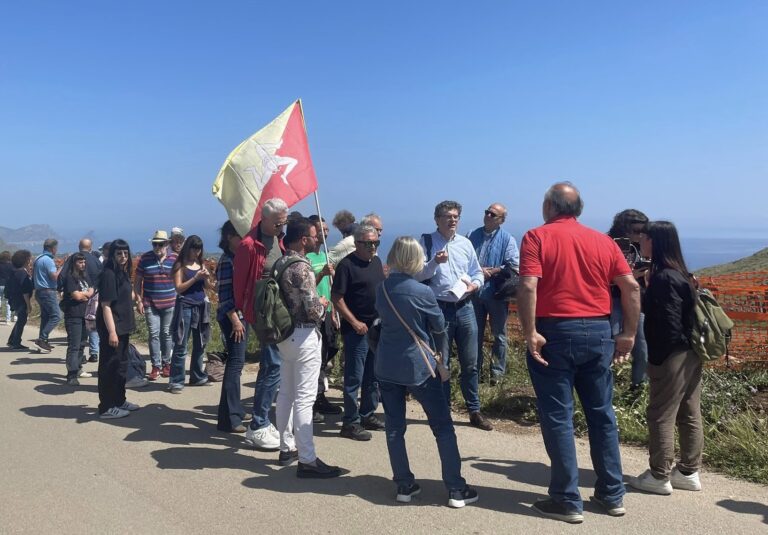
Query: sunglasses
{"type": "Point", "coordinates": [492, 215]}
{"type": "Point", "coordinates": [156, 244]}
{"type": "Point", "coordinates": [369, 243]}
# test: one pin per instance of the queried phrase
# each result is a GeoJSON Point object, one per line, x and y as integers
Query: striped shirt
{"type": "Point", "coordinates": [159, 289]}
{"type": "Point", "coordinates": [224, 274]}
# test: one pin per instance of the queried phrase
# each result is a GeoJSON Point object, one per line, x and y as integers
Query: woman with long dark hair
{"type": "Point", "coordinates": [115, 323]}
{"type": "Point", "coordinates": [20, 295]}
{"type": "Point", "coordinates": [78, 289]}
{"type": "Point", "coordinates": [674, 369]}
{"type": "Point", "coordinates": [231, 412]}
{"type": "Point", "coordinates": [190, 316]}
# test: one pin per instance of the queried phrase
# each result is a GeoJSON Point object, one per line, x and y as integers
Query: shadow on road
{"type": "Point", "coordinates": [746, 508]}
{"type": "Point", "coordinates": [41, 360]}
{"type": "Point", "coordinates": [532, 473]}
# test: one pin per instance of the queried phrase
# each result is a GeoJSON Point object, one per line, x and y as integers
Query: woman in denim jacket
{"type": "Point", "coordinates": [401, 368]}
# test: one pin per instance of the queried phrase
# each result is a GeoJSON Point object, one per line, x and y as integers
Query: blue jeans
{"type": "Point", "coordinates": [93, 342]}
{"type": "Point", "coordinates": [50, 313]}
{"type": "Point", "coordinates": [640, 349]}
{"type": "Point", "coordinates": [196, 371]}
{"type": "Point", "coordinates": [461, 326]}
{"type": "Point", "coordinates": [579, 353]}
{"type": "Point", "coordinates": [430, 395]}
{"type": "Point", "coordinates": [358, 376]}
{"type": "Point", "coordinates": [160, 341]}
{"type": "Point", "coordinates": [267, 383]}
{"type": "Point", "coordinates": [497, 311]}
{"type": "Point", "coordinates": [231, 411]}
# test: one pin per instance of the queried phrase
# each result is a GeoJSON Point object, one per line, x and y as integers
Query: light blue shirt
{"type": "Point", "coordinates": [462, 263]}
{"type": "Point", "coordinates": [44, 273]}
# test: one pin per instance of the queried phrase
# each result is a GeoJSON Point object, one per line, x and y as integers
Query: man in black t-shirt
{"type": "Point", "coordinates": [354, 295]}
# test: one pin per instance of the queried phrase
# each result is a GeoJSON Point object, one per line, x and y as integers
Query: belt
{"type": "Point", "coordinates": [453, 305]}
{"type": "Point", "coordinates": [555, 319]}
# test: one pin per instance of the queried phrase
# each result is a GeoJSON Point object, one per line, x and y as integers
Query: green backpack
{"type": "Point", "coordinates": [711, 328]}
{"type": "Point", "coordinates": [273, 322]}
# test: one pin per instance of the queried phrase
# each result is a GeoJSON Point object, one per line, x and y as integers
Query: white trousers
{"type": "Point", "coordinates": [298, 389]}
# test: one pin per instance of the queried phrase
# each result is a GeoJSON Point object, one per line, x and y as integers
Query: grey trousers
{"type": "Point", "coordinates": [675, 398]}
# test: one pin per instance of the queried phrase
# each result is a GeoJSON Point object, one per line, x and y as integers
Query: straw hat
{"type": "Point", "coordinates": [160, 236]}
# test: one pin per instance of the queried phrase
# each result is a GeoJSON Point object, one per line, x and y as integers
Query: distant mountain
{"type": "Point", "coordinates": [30, 237]}
{"type": "Point", "coordinates": [755, 262]}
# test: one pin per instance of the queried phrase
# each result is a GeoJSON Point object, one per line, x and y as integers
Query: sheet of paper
{"type": "Point", "coordinates": [460, 288]}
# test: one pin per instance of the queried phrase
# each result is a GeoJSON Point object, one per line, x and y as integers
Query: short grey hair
{"type": "Point", "coordinates": [369, 218]}
{"type": "Point", "coordinates": [49, 244]}
{"type": "Point", "coordinates": [363, 230]}
{"type": "Point", "coordinates": [561, 202]}
{"type": "Point", "coordinates": [444, 206]}
{"type": "Point", "coordinates": [274, 206]}
{"type": "Point", "coordinates": [406, 255]}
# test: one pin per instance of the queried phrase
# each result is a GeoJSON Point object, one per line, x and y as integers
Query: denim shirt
{"type": "Point", "coordinates": [398, 359]}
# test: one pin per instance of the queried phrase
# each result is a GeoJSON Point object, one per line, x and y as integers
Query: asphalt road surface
{"type": "Point", "coordinates": [166, 469]}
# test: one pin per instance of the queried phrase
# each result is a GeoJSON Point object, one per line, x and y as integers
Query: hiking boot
{"type": "Point", "coordinates": [648, 483]}
{"type": "Point", "coordinates": [323, 406]}
{"type": "Point", "coordinates": [72, 381]}
{"type": "Point", "coordinates": [262, 439]}
{"type": "Point", "coordinates": [287, 458]}
{"type": "Point", "coordinates": [113, 413]}
{"type": "Point", "coordinates": [460, 498]}
{"type": "Point", "coordinates": [166, 370]}
{"type": "Point", "coordinates": [684, 482]}
{"type": "Point", "coordinates": [128, 406]}
{"type": "Point", "coordinates": [372, 423]}
{"type": "Point", "coordinates": [558, 511]}
{"type": "Point", "coordinates": [319, 470]}
{"type": "Point", "coordinates": [481, 422]}
{"type": "Point", "coordinates": [94, 357]}
{"type": "Point", "coordinates": [355, 432]}
{"type": "Point", "coordinates": [154, 374]}
{"type": "Point", "coordinates": [406, 492]}
{"type": "Point", "coordinates": [613, 509]}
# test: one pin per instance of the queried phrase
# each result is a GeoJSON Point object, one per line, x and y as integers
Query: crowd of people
{"type": "Point", "coordinates": [579, 303]}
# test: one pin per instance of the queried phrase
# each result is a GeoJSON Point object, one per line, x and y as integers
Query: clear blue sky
{"type": "Point", "coordinates": [116, 116]}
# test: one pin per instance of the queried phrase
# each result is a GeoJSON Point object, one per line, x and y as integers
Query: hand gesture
{"type": "Point", "coordinates": [535, 342]}
{"type": "Point", "coordinates": [441, 257]}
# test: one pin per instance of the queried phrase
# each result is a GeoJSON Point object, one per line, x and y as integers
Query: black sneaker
{"type": "Point", "coordinates": [318, 418]}
{"type": "Point", "coordinates": [73, 382]}
{"type": "Point", "coordinates": [372, 423]}
{"type": "Point", "coordinates": [319, 471]}
{"type": "Point", "coordinates": [94, 357]}
{"type": "Point", "coordinates": [558, 511]}
{"type": "Point", "coordinates": [613, 509]}
{"type": "Point", "coordinates": [355, 432]}
{"type": "Point", "coordinates": [44, 345]}
{"type": "Point", "coordinates": [406, 492]}
{"type": "Point", "coordinates": [287, 458]}
{"type": "Point", "coordinates": [481, 422]}
{"type": "Point", "coordinates": [460, 498]}
{"type": "Point", "coordinates": [323, 406]}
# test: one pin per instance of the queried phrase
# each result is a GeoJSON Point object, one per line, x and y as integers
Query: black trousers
{"type": "Point", "coordinates": [77, 339]}
{"type": "Point", "coordinates": [113, 364]}
{"type": "Point", "coordinates": [21, 321]}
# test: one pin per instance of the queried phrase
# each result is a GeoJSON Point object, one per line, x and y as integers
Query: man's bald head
{"type": "Point", "coordinates": [562, 199]}
{"type": "Point", "coordinates": [85, 245]}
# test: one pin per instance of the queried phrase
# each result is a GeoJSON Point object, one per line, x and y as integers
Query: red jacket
{"type": "Point", "coordinates": [249, 268]}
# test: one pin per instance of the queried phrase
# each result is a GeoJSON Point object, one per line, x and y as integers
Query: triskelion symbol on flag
{"type": "Point", "coordinates": [270, 163]}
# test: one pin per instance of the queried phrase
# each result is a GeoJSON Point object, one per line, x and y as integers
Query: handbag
{"type": "Point", "coordinates": [423, 346]}
{"type": "Point", "coordinates": [505, 283]}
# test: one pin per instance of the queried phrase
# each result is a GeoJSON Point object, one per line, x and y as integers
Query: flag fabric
{"type": "Point", "coordinates": [273, 162]}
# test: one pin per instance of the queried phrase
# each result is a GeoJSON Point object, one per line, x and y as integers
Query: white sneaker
{"type": "Point", "coordinates": [114, 412]}
{"type": "Point", "coordinates": [137, 382]}
{"type": "Point", "coordinates": [683, 482]}
{"type": "Point", "coordinates": [128, 406]}
{"type": "Point", "coordinates": [262, 438]}
{"type": "Point", "coordinates": [273, 430]}
{"type": "Point", "coordinates": [84, 373]}
{"type": "Point", "coordinates": [648, 483]}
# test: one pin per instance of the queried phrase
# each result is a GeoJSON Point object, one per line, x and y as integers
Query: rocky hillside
{"type": "Point", "coordinates": [30, 237]}
{"type": "Point", "coordinates": [755, 262]}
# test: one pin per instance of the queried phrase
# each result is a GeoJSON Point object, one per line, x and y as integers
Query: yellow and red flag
{"type": "Point", "coordinates": [273, 162]}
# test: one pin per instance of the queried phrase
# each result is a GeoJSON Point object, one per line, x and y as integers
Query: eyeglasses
{"type": "Point", "coordinates": [492, 215]}
{"type": "Point", "coordinates": [369, 243]}
{"type": "Point", "coordinates": [123, 252]}
{"type": "Point", "coordinates": [156, 244]}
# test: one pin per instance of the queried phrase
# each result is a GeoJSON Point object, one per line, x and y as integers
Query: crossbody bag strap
{"type": "Point", "coordinates": [419, 342]}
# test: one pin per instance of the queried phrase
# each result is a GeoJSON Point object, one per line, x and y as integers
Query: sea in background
{"type": "Point", "coordinates": [698, 252]}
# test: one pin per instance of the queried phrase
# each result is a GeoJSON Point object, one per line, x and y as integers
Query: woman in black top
{"type": "Point", "coordinates": [115, 322]}
{"type": "Point", "coordinates": [78, 289]}
{"type": "Point", "coordinates": [190, 316]}
{"type": "Point", "coordinates": [6, 270]}
{"type": "Point", "coordinates": [20, 290]}
{"type": "Point", "coordinates": [674, 369]}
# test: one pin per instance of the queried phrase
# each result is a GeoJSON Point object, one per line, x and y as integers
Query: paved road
{"type": "Point", "coordinates": [165, 469]}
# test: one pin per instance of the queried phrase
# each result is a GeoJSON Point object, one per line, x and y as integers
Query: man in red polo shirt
{"type": "Point", "coordinates": [254, 257]}
{"type": "Point", "coordinates": [564, 303]}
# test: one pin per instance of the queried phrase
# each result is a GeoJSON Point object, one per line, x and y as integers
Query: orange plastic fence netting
{"type": "Point", "coordinates": [744, 296]}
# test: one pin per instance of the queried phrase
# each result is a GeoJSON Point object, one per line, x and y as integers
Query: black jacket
{"type": "Point", "coordinates": [668, 305]}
